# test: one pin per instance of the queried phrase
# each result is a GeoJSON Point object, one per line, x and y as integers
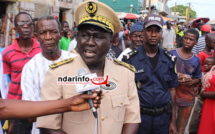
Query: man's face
{"type": "Point", "coordinates": [129, 26]}
{"type": "Point", "coordinates": [35, 23]}
{"type": "Point", "coordinates": [93, 44]}
{"type": "Point", "coordinates": [65, 27]}
{"type": "Point", "coordinates": [69, 34]}
{"type": "Point", "coordinates": [168, 25]}
{"type": "Point", "coordinates": [48, 35]}
{"type": "Point", "coordinates": [24, 26]}
{"type": "Point", "coordinates": [116, 39]}
{"type": "Point", "coordinates": [137, 39]}
{"type": "Point", "coordinates": [211, 42]}
{"type": "Point", "coordinates": [199, 25]}
{"type": "Point", "coordinates": [208, 64]}
{"type": "Point", "coordinates": [189, 41]}
{"type": "Point", "coordinates": [152, 35]}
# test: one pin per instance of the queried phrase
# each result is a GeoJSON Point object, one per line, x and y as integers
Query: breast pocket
{"type": "Point", "coordinates": [119, 103]}
{"type": "Point", "coordinates": [77, 117]}
{"type": "Point", "coordinates": [167, 78]}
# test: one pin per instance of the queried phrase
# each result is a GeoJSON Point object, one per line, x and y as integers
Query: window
{"type": "Point", "coordinates": [69, 1]}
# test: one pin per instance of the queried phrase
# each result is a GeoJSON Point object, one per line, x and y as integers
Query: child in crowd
{"type": "Point", "coordinates": [208, 50]}
{"type": "Point", "coordinates": [189, 72]}
{"type": "Point", "coordinates": [207, 120]}
{"type": "Point", "coordinates": [195, 117]}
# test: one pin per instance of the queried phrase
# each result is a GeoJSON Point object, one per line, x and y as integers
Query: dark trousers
{"type": "Point", "coordinates": [154, 124]}
{"type": "Point", "coordinates": [22, 126]}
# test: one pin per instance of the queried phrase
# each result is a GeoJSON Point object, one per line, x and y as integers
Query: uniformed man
{"type": "Point", "coordinates": [179, 34]}
{"type": "Point", "coordinates": [155, 79]}
{"type": "Point", "coordinates": [119, 109]}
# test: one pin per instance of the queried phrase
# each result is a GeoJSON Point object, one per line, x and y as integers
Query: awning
{"type": "Point", "coordinates": [166, 19]}
{"type": "Point", "coordinates": [122, 15]}
{"type": "Point", "coordinates": [131, 16]}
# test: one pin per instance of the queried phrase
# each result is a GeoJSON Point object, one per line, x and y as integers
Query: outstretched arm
{"type": "Point", "coordinates": [13, 109]}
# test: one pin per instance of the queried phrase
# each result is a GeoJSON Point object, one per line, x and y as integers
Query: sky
{"type": "Point", "coordinates": [203, 8]}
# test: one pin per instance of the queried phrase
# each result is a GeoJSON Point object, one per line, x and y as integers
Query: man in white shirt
{"type": "Point", "coordinates": [168, 37]}
{"type": "Point", "coordinates": [3, 86]}
{"type": "Point", "coordinates": [3, 81]}
{"type": "Point", "coordinates": [136, 37]}
{"type": "Point", "coordinates": [33, 73]}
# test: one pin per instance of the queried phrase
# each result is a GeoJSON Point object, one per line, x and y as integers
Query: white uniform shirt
{"type": "Point", "coordinates": [168, 38]}
{"type": "Point", "coordinates": [33, 75]}
{"type": "Point", "coordinates": [72, 45]}
{"type": "Point", "coordinates": [127, 50]}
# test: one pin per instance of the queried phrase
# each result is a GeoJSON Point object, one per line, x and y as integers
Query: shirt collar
{"type": "Point", "coordinates": [143, 55]}
{"type": "Point", "coordinates": [17, 47]}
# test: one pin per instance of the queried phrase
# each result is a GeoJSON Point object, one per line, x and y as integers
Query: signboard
{"type": "Point", "coordinates": [66, 5]}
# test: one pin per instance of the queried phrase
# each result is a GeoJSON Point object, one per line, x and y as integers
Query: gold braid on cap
{"type": "Point", "coordinates": [98, 20]}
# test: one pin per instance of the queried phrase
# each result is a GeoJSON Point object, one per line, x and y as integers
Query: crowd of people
{"type": "Point", "coordinates": [158, 69]}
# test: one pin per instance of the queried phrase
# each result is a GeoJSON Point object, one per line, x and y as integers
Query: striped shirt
{"type": "Point", "coordinates": [33, 75]}
{"type": "Point", "coordinates": [199, 46]}
{"type": "Point", "coordinates": [14, 60]}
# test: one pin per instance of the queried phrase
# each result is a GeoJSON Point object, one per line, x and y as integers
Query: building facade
{"type": "Point", "coordinates": [122, 5]}
{"type": "Point", "coordinates": [63, 9]}
{"type": "Point", "coordinates": [136, 6]}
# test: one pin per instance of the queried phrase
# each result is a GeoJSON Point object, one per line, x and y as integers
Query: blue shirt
{"type": "Point", "coordinates": [191, 67]}
{"type": "Point", "coordinates": [155, 83]}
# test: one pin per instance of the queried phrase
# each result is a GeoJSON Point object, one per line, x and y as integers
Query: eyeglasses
{"type": "Point", "coordinates": [135, 36]}
{"type": "Point", "coordinates": [22, 23]}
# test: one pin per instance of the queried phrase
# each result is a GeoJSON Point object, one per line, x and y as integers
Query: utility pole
{"type": "Point", "coordinates": [144, 7]}
{"type": "Point", "coordinates": [144, 4]}
{"type": "Point", "coordinates": [175, 9]}
{"type": "Point", "coordinates": [149, 6]}
{"type": "Point", "coordinates": [188, 16]}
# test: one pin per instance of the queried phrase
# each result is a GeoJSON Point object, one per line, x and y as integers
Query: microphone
{"type": "Point", "coordinates": [87, 88]}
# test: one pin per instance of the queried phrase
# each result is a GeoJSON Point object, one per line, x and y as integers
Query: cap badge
{"type": "Point", "coordinates": [154, 18]}
{"type": "Point", "coordinates": [91, 8]}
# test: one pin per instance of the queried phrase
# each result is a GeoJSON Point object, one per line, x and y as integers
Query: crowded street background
{"type": "Point", "coordinates": [86, 67]}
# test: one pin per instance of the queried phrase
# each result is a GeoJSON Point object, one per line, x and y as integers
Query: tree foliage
{"type": "Point", "coordinates": [182, 10]}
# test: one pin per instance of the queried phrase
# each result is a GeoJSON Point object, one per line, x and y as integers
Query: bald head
{"type": "Point", "coordinates": [210, 40]}
{"type": "Point", "coordinates": [168, 24]}
{"type": "Point", "coordinates": [210, 36]}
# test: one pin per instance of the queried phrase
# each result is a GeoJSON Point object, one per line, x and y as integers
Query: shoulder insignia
{"type": "Point", "coordinates": [57, 64]}
{"type": "Point", "coordinates": [129, 55]}
{"type": "Point", "coordinates": [132, 68]}
{"type": "Point", "coordinates": [169, 55]}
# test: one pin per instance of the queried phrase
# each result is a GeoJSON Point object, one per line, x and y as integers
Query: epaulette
{"type": "Point", "coordinates": [57, 64]}
{"type": "Point", "coordinates": [169, 55]}
{"type": "Point", "coordinates": [132, 68]}
{"type": "Point", "coordinates": [128, 55]}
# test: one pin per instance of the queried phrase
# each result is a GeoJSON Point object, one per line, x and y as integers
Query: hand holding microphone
{"type": "Point", "coordinates": [87, 88]}
{"type": "Point", "coordinates": [81, 102]}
